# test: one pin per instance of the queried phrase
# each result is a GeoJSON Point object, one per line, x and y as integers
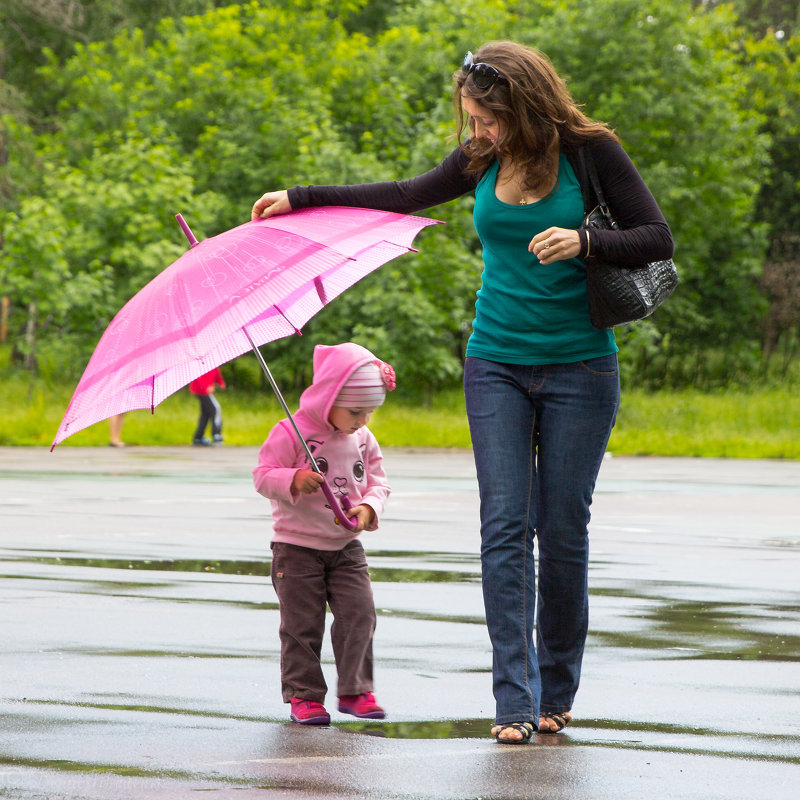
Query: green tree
{"type": "Point", "coordinates": [203, 113]}
{"type": "Point", "coordinates": [256, 97]}
{"type": "Point", "coordinates": [34, 271]}
{"type": "Point", "coordinates": [20, 167]}
{"type": "Point", "coordinates": [760, 16]}
{"type": "Point", "coordinates": [28, 27]}
{"type": "Point", "coordinates": [667, 78]}
{"type": "Point", "coordinates": [72, 257]}
{"type": "Point", "coordinates": [772, 70]}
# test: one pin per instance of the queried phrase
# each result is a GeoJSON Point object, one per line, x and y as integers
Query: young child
{"type": "Point", "coordinates": [315, 560]}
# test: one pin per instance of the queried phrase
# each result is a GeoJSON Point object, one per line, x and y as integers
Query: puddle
{"type": "Point", "coordinates": [603, 733]}
{"type": "Point", "coordinates": [595, 733]}
{"type": "Point", "coordinates": [250, 568]}
{"type": "Point", "coordinates": [67, 766]}
{"type": "Point", "coordinates": [443, 729]}
{"type": "Point", "coordinates": [259, 568]}
{"type": "Point", "coordinates": [706, 629]}
{"type": "Point", "coordinates": [657, 622]}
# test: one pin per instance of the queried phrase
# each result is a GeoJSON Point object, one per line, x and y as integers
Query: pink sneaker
{"type": "Point", "coordinates": [361, 705]}
{"type": "Point", "coordinates": [307, 712]}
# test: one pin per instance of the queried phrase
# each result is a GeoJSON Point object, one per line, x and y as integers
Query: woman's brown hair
{"type": "Point", "coordinates": [535, 110]}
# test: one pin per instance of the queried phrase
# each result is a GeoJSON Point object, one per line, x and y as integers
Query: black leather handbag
{"type": "Point", "coordinates": [620, 294]}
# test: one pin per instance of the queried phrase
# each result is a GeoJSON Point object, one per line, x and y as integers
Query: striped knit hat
{"type": "Point", "coordinates": [366, 386]}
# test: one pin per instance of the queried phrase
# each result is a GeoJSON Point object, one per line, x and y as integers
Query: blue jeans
{"type": "Point", "coordinates": [539, 434]}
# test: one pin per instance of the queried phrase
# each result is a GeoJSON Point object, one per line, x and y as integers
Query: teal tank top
{"type": "Point", "coordinates": [526, 312]}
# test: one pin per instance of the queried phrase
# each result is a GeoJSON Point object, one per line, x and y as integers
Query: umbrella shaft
{"type": "Point", "coordinates": [278, 394]}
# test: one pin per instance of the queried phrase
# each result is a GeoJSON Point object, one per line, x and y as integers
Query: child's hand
{"type": "Point", "coordinates": [364, 516]}
{"type": "Point", "coordinates": [306, 481]}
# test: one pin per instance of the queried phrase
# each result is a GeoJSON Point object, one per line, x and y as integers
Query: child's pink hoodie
{"type": "Point", "coordinates": [352, 462]}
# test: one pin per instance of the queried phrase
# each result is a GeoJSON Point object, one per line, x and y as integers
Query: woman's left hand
{"type": "Point", "coordinates": [555, 244]}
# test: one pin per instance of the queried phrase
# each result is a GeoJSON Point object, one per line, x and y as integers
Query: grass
{"type": "Point", "coordinates": [34, 414]}
{"type": "Point", "coordinates": [733, 424]}
{"type": "Point", "coordinates": [736, 424]}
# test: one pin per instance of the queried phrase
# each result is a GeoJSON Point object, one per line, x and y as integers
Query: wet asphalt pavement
{"type": "Point", "coordinates": [139, 653]}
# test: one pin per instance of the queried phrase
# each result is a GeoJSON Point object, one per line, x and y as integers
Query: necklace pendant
{"type": "Point", "coordinates": [523, 202]}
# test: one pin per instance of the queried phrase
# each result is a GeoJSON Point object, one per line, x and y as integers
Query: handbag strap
{"type": "Point", "coordinates": [589, 167]}
{"type": "Point", "coordinates": [583, 180]}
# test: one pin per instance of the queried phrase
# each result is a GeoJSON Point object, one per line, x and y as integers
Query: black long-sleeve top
{"type": "Point", "coordinates": [644, 234]}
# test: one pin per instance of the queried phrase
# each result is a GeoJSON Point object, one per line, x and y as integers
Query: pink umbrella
{"type": "Point", "coordinates": [228, 294]}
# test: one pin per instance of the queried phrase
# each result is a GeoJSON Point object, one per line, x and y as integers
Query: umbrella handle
{"type": "Point", "coordinates": [338, 510]}
{"type": "Point", "coordinates": [338, 514]}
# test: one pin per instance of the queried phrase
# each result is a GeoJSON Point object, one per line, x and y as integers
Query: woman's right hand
{"type": "Point", "coordinates": [271, 203]}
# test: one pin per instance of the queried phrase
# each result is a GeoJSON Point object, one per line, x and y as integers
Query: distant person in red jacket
{"type": "Point", "coordinates": [210, 409]}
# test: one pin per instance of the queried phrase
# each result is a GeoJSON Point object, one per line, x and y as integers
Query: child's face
{"type": "Point", "coordinates": [349, 420]}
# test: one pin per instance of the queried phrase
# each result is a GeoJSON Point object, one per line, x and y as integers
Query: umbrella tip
{"type": "Point", "coordinates": [186, 229]}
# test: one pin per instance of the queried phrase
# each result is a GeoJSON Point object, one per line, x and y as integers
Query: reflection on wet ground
{"type": "Point", "coordinates": [782, 748]}
{"type": "Point", "coordinates": [140, 604]}
{"type": "Point", "coordinates": [655, 619]}
{"type": "Point", "coordinates": [262, 567]}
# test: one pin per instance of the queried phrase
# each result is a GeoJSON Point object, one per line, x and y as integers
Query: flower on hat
{"type": "Point", "coordinates": [388, 375]}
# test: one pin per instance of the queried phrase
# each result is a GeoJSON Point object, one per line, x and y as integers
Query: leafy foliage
{"type": "Point", "coordinates": [134, 115]}
{"type": "Point", "coordinates": [762, 16]}
{"type": "Point", "coordinates": [773, 80]}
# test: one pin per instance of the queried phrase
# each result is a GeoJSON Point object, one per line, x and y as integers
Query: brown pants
{"type": "Point", "coordinates": [305, 580]}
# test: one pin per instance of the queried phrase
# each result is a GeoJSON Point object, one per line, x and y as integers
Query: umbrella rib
{"type": "Point", "coordinates": [280, 311]}
{"type": "Point", "coordinates": [320, 290]}
{"type": "Point", "coordinates": [278, 394]}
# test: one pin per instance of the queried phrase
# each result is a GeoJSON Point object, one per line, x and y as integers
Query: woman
{"type": "Point", "coordinates": [541, 384]}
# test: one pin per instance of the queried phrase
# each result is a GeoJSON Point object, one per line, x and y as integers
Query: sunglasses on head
{"type": "Point", "coordinates": [484, 75]}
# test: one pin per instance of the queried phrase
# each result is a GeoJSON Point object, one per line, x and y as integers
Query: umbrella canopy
{"type": "Point", "coordinates": [253, 284]}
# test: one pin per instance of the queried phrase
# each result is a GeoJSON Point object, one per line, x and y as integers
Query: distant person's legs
{"type": "Point", "coordinates": [216, 420]}
{"type": "Point", "coordinates": [115, 430]}
{"type": "Point", "coordinates": [207, 411]}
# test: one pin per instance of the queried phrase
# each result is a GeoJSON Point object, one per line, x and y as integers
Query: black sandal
{"type": "Point", "coordinates": [525, 728]}
{"type": "Point", "coordinates": [561, 721]}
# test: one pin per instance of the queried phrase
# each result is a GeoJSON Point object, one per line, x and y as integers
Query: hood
{"type": "Point", "coordinates": [333, 365]}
